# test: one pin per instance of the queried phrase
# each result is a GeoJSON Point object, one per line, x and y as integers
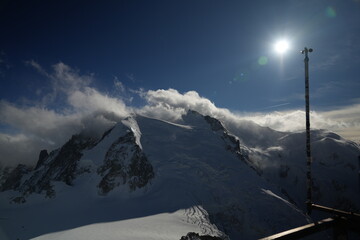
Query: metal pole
{"type": "Point", "coordinates": [308, 148]}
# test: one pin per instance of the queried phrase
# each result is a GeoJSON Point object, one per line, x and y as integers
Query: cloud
{"type": "Point", "coordinates": [39, 126]}
{"type": "Point", "coordinates": [68, 80]}
{"type": "Point", "coordinates": [121, 91]}
{"type": "Point", "coordinates": [293, 120]}
{"type": "Point", "coordinates": [328, 63]}
{"type": "Point", "coordinates": [72, 105]}
{"type": "Point", "coordinates": [19, 148]}
{"type": "Point", "coordinates": [90, 100]}
{"type": "Point", "coordinates": [350, 118]}
{"type": "Point", "coordinates": [64, 81]}
{"type": "Point", "coordinates": [170, 105]}
{"type": "Point", "coordinates": [40, 122]}
{"type": "Point", "coordinates": [119, 86]}
{"type": "Point", "coordinates": [38, 67]}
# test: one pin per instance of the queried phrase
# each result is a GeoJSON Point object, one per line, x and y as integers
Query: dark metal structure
{"type": "Point", "coordinates": [308, 147]}
{"type": "Point", "coordinates": [341, 222]}
{"type": "Point", "coordinates": [303, 231]}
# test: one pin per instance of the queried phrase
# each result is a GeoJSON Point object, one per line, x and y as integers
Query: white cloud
{"type": "Point", "coordinates": [38, 67]}
{"type": "Point", "coordinates": [293, 120]}
{"type": "Point", "coordinates": [345, 121]}
{"type": "Point", "coordinates": [119, 85]}
{"type": "Point", "coordinates": [68, 79]}
{"type": "Point", "coordinates": [19, 148]}
{"type": "Point", "coordinates": [84, 108]}
{"type": "Point", "coordinates": [43, 123]}
{"type": "Point", "coordinates": [349, 117]}
{"type": "Point", "coordinates": [89, 100]}
{"type": "Point", "coordinates": [170, 105]}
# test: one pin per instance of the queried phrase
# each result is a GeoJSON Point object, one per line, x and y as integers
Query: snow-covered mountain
{"type": "Point", "coordinates": [151, 179]}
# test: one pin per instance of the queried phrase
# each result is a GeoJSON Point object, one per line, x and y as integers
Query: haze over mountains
{"type": "Point", "coordinates": [162, 179]}
{"type": "Point", "coordinates": [70, 102]}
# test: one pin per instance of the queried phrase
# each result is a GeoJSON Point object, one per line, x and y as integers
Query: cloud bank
{"type": "Point", "coordinates": [170, 104]}
{"type": "Point", "coordinates": [82, 108]}
{"type": "Point", "coordinates": [37, 127]}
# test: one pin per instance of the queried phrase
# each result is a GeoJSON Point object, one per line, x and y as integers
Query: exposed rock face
{"type": "Point", "coordinates": [64, 164]}
{"type": "Point", "coordinates": [231, 142]}
{"type": "Point", "coordinates": [124, 163]}
{"type": "Point", "coordinates": [214, 123]}
{"type": "Point", "coordinates": [60, 165]}
{"type": "Point", "coordinates": [13, 178]}
{"type": "Point", "coordinates": [196, 236]}
{"type": "Point", "coordinates": [4, 174]}
{"type": "Point", "coordinates": [42, 157]}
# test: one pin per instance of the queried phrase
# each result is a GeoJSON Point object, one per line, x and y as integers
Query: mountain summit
{"type": "Point", "coordinates": [148, 178]}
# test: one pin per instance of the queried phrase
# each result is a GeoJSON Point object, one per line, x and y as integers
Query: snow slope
{"type": "Point", "coordinates": [148, 177]}
{"type": "Point", "coordinates": [335, 168]}
{"type": "Point", "coordinates": [164, 226]}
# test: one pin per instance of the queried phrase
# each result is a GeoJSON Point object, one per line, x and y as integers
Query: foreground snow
{"type": "Point", "coordinates": [165, 226]}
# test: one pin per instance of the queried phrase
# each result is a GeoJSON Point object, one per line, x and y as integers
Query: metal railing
{"type": "Point", "coordinates": [342, 222]}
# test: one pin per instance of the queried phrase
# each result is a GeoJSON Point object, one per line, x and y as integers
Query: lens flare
{"type": "Point", "coordinates": [330, 12]}
{"type": "Point", "coordinates": [262, 60]}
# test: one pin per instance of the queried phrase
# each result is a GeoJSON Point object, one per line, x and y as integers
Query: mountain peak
{"type": "Point", "coordinates": [194, 118]}
{"type": "Point", "coordinates": [143, 167]}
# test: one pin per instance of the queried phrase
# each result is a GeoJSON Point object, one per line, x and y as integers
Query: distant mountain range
{"type": "Point", "coordinates": [151, 179]}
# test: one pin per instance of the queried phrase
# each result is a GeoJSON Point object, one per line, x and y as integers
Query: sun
{"type": "Point", "coordinates": [281, 46]}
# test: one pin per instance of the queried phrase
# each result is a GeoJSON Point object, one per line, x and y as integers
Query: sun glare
{"type": "Point", "coordinates": [281, 46]}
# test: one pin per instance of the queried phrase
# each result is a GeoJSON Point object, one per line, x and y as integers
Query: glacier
{"type": "Point", "coordinates": [146, 178]}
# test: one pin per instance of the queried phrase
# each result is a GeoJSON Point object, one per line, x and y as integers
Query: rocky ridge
{"type": "Point", "coordinates": [123, 164]}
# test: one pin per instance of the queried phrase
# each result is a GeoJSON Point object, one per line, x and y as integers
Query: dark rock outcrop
{"type": "Point", "coordinates": [59, 165]}
{"type": "Point", "coordinates": [196, 236]}
{"type": "Point", "coordinates": [13, 178]}
{"type": "Point", "coordinates": [124, 163]}
{"type": "Point", "coordinates": [214, 123]}
{"type": "Point", "coordinates": [42, 157]}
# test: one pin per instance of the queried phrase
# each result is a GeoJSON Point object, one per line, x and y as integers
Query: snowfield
{"type": "Point", "coordinates": [151, 179]}
{"type": "Point", "coordinates": [165, 226]}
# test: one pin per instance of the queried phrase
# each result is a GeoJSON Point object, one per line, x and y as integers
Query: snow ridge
{"type": "Point", "coordinates": [148, 178]}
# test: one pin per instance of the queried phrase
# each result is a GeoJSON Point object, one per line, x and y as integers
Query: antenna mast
{"type": "Point", "coordinates": [308, 148]}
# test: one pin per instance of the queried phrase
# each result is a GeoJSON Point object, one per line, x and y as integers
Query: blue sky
{"type": "Point", "coordinates": [220, 50]}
